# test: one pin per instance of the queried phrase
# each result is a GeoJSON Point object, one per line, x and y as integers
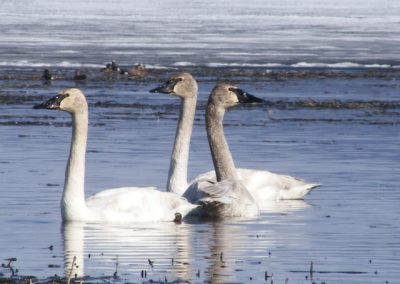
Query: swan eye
{"type": "Point", "coordinates": [245, 97]}
{"type": "Point", "coordinates": [62, 96]}
{"type": "Point", "coordinates": [59, 98]}
{"type": "Point", "coordinates": [238, 92]}
{"type": "Point", "coordinates": [174, 81]}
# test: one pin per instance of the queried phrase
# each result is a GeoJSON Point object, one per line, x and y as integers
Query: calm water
{"type": "Point", "coordinates": [348, 228]}
{"type": "Point", "coordinates": [338, 127]}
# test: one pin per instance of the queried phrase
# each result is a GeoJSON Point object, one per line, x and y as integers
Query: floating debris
{"type": "Point", "coordinates": [151, 263]}
{"type": "Point", "coordinates": [54, 266]}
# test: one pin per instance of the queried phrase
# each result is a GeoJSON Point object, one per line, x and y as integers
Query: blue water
{"type": "Point", "coordinates": [329, 74]}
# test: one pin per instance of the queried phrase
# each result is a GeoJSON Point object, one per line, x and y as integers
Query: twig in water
{"type": "Point", "coordinates": [71, 270]}
{"type": "Point", "coordinates": [116, 267]}
{"type": "Point", "coordinates": [8, 265]}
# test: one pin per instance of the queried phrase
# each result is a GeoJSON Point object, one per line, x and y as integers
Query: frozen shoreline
{"type": "Point", "coordinates": [172, 32]}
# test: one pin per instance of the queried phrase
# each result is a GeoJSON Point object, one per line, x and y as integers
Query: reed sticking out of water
{"type": "Point", "coordinates": [151, 263]}
{"type": "Point", "coordinates": [71, 270]}
{"type": "Point", "coordinates": [116, 267]}
{"type": "Point", "coordinates": [9, 265]}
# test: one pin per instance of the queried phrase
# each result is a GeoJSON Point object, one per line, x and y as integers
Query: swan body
{"type": "Point", "coordinates": [135, 204]}
{"type": "Point", "coordinates": [226, 198]}
{"type": "Point", "coordinates": [117, 205]}
{"type": "Point", "coordinates": [263, 185]}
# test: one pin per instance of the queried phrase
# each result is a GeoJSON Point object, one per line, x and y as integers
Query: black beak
{"type": "Point", "coordinates": [53, 103]}
{"type": "Point", "coordinates": [246, 98]}
{"type": "Point", "coordinates": [167, 87]}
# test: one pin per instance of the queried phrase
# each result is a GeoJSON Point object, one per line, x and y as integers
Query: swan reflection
{"type": "Point", "coordinates": [284, 206]}
{"type": "Point", "coordinates": [110, 249]}
{"type": "Point", "coordinates": [192, 251]}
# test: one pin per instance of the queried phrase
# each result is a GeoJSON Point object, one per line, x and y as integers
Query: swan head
{"type": "Point", "coordinates": [69, 100]}
{"type": "Point", "coordinates": [227, 96]}
{"type": "Point", "coordinates": [182, 85]}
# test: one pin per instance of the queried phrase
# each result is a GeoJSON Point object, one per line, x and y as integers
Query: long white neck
{"type": "Point", "coordinates": [222, 157]}
{"type": "Point", "coordinates": [178, 169]}
{"type": "Point", "coordinates": [73, 204]}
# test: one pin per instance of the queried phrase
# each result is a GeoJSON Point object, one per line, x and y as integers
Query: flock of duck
{"type": "Point", "coordinates": [224, 192]}
{"type": "Point", "coordinates": [137, 71]}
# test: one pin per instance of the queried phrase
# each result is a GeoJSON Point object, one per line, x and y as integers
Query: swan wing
{"type": "Point", "coordinates": [227, 198]}
{"type": "Point", "coordinates": [265, 186]}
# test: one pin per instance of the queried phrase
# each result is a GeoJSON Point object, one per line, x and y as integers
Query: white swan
{"type": "Point", "coordinates": [263, 185]}
{"type": "Point", "coordinates": [117, 205]}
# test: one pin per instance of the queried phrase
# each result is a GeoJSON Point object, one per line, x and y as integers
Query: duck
{"type": "Point", "coordinates": [47, 76]}
{"type": "Point", "coordinates": [138, 71]}
{"type": "Point", "coordinates": [263, 185]}
{"type": "Point", "coordinates": [112, 68]}
{"type": "Point", "coordinates": [116, 205]}
{"type": "Point", "coordinates": [79, 76]}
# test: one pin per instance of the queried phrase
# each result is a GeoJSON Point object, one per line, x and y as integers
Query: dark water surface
{"type": "Point", "coordinates": [339, 128]}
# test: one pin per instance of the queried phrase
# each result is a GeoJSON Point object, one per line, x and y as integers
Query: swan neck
{"type": "Point", "coordinates": [222, 157]}
{"type": "Point", "coordinates": [73, 201]}
{"type": "Point", "coordinates": [178, 169]}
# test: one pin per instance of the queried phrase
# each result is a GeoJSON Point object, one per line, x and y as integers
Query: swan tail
{"type": "Point", "coordinates": [299, 192]}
